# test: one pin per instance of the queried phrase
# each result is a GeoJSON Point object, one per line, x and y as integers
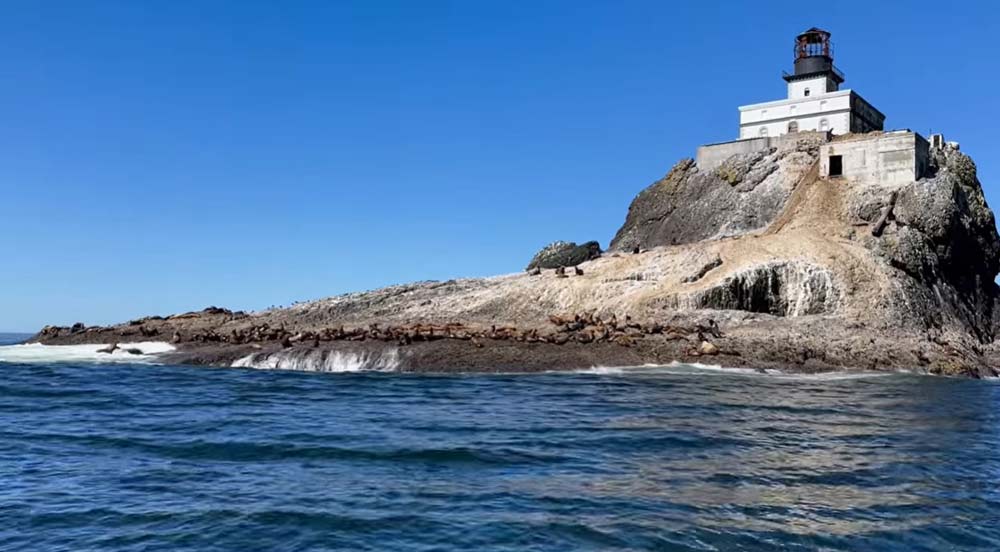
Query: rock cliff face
{"type": "Point", "coordinates": [760, 258]}
{"type": "Point", "coordinates": [745, 194]}
{"type": "Point", "coordinates": [932, 266]}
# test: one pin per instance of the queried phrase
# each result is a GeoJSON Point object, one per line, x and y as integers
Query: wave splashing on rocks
{"type": "Point", "coordinates": [322, 360]}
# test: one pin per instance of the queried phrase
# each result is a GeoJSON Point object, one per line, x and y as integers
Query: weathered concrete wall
{"type": "Point", "coordinates": [711, 156]}
{"type": "Point", "coordinates": [886, 158]}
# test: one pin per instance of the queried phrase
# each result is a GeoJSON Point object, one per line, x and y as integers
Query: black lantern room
{"type": "Point", "coordinates": [814, 57]}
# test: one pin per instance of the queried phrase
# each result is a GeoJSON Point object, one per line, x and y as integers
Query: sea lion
{"type": "Point", "coordinates": [535, 271]}
{"type": "Point", "coordinates": [708, 348]}
{"type": "Point", "coordinates": [109, 349]}
{"type": "Point", "coordinates": [555, 319]}
{"type": "Point", "coordinates": [578, 271]}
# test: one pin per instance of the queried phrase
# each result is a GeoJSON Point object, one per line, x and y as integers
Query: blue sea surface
{"type": "Point", "coordinates": [145, 458]}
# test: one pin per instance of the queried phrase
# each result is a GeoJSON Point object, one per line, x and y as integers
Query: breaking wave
{"type": "Point", "coordinates": [319, 360]}
{"type": "Point", "coordinates": [37, 353]}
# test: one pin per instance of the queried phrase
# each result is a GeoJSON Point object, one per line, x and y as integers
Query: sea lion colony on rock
{"type": "Point", "coordinates": [578, 328]}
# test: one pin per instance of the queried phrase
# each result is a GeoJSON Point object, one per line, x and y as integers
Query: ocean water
{"type": "Point", "coordinates": [143, 457]}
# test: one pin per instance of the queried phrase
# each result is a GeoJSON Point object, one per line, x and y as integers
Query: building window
{"type": "Point", "coordinates": [824, 125]}
{"type": "Point", "coordinates": [836, 165]}
{"type": "Point", "coordinates": [793, 127]}
{"type": "Point", "coordinates": [807, 92]}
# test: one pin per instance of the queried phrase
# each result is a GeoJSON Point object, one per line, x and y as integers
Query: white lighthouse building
{"type": "Point", "coordinates": [854, 147]}
{"type": "Point", "coordinates": [815, 100]}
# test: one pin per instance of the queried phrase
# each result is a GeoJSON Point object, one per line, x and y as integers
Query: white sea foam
{"type": "Point", "coordinates": [694, 368]}
{"type": "Point", "coordinates": [318, 360]}
{"type": "Point", "coordinates": [38, 353]}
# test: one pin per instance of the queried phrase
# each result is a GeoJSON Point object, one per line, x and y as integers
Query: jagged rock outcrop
{"type": "Point", "coordinates": [943, 237]}
{"type": "Point", "coordinates": [562, 253]}
{"type": "Point", "coordinates": [689, 205]}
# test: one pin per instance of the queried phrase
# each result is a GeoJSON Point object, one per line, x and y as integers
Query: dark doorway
{"type": "Point", "coordinates": [836, 165]}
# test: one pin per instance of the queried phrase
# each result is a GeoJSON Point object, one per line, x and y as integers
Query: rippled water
{"type": "Point", "coordinates": [144, 457]}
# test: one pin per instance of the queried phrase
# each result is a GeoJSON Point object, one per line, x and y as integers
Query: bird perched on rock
{"type": "Point", "coordinates": [635, 250]}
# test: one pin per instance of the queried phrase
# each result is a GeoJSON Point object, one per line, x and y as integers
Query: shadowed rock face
{"type": "Point", "coordinates": [689, 205]}
{"type": "Point", "coordinates": [777, 288]}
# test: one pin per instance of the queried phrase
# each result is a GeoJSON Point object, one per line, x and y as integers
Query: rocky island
{"type": "Point", "coordinates": [758, 258]}
{"type": "Point", "coordinates": [815, 241]}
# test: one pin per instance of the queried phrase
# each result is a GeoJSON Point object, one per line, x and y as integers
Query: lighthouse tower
{"type": "Point", "coordinates": [815, 100]}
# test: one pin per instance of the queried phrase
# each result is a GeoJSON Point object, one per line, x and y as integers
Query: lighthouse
{"type": "Point", "coordinates": [815, 100]}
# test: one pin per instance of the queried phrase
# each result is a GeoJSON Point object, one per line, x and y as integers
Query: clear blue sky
{"type": "Point", "coordinates": [158, 157]}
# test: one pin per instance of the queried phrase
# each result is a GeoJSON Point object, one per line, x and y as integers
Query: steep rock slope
{"type": "Point", "coordinates": [688, 205]}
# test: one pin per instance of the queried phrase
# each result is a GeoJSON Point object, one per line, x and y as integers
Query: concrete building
{"type": "Point", "coordinates": [815, 100]}
{"type": "Point", "coordinates": [894, 157]}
